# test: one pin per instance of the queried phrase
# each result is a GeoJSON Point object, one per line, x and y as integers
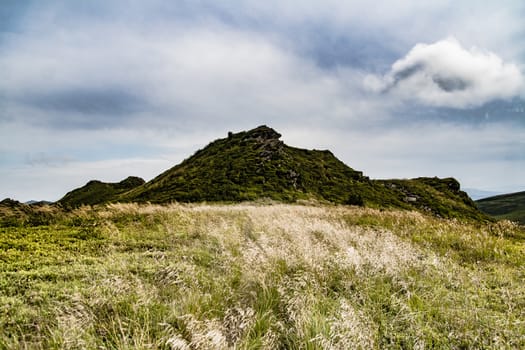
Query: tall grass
{"type": "Point", "coordinates": [248, 276]}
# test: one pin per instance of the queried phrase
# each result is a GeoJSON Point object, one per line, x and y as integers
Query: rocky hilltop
{"type": "Point", "coordinates": [256, 164]}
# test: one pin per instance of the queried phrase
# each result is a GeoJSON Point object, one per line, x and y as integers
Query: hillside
{"type": "Point", "coordinates": [255, 164]}
{"type": "Point", "coordinates": [95, 192]}
{"type": "Point", "coordinates": [252, 276]}
{"type": "Point", "coordinates": [252, 165]}
{"type": "Point", "coordinates": [506, 206]}
{"type": "Point", "coordinates": [14, 213]}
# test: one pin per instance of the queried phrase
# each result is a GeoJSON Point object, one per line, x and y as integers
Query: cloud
{"type": "Point", "coordinates": [85, 101]}
{"type": "Point", "coordinates": [47, 160]}
{"type": "Point", "coordinates": [444, 74]}
{"type": "Point", "coordinates": [105, 81]}
{"type": "Point", "coordinates": [177, 76]}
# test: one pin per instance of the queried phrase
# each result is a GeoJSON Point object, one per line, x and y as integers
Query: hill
{"type": "Point", "coordinates": [95, 192]}
{"type": "Point", "coordinates": [14, 213]}
{"type": "Point", "coordinates": [507, 206]}
{"type": "Point", "coordinates": [251, 165]}
{"type": "Point", "coordinates": [255, 164]}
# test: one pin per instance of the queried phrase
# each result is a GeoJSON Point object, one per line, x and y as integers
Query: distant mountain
{"type": "Point", "coordinates": [506, 206]}
{"type": "Point", "coordinates": [255, 164]}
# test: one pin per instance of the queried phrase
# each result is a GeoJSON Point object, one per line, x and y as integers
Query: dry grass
{"type": "Point", "coordinates": [251, 276]}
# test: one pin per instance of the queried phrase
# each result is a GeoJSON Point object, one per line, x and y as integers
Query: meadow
{"type": "Point", "coordinates": [260, 276]}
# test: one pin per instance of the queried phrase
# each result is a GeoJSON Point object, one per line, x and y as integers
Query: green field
{"type": "Point", "coordinates": [260, 276]}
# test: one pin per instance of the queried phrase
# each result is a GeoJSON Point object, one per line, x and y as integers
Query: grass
{"type": "Point", "coordinates": [508, 206]}
{"type": "Point", "coordinates": [95, 192]}
{"type": "Point", "coordinates": [254, 165]}
{"type": "Point", "coordinates": [260, 276]}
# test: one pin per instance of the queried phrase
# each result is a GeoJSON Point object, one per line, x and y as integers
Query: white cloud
{"type": "Point", "coordinates": [176, 77]}
{"type": "Point", "coordinates": [445, 74]}
{"type": "Point", "coordinates": [137, 81]}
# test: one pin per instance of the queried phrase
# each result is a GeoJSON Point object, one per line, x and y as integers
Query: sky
{"type": "Point", "coordinates": [107, 89]}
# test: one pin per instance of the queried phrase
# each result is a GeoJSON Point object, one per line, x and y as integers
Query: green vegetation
{"type": "Point", "coordinates": [95, 192]}
{"type": "Point", "coordinates": [507, 206]}
{"type": "Point", "coordinates": [254, 276]}
{"type": "Point", "coordinates": [14, 213]}
{"type": "Point", "coordinates": [248, 166]}
{"type": "Point", "coordinates": [255, 164]}
{"type": "Point", "coordinates": [353, 263]}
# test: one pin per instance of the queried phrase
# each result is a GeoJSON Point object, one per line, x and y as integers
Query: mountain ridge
{"type": "Point", "coordinates": [254, 164]}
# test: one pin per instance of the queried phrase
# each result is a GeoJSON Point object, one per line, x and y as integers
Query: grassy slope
{"type": "Point", "coordinates": [95, 192]}
{"type": "Point", "coordinates": [132, 276]}
{"type": "Point", "coordinates": [247, 166]}
{"type": "Point", "coordinates": [14, 213]}
{"type": "Point", "coordinates": [507, 206]}
{"type": "Point", "coordinates": [254, 164]}
{"type": "Point", "coordinates": [440, 197]}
